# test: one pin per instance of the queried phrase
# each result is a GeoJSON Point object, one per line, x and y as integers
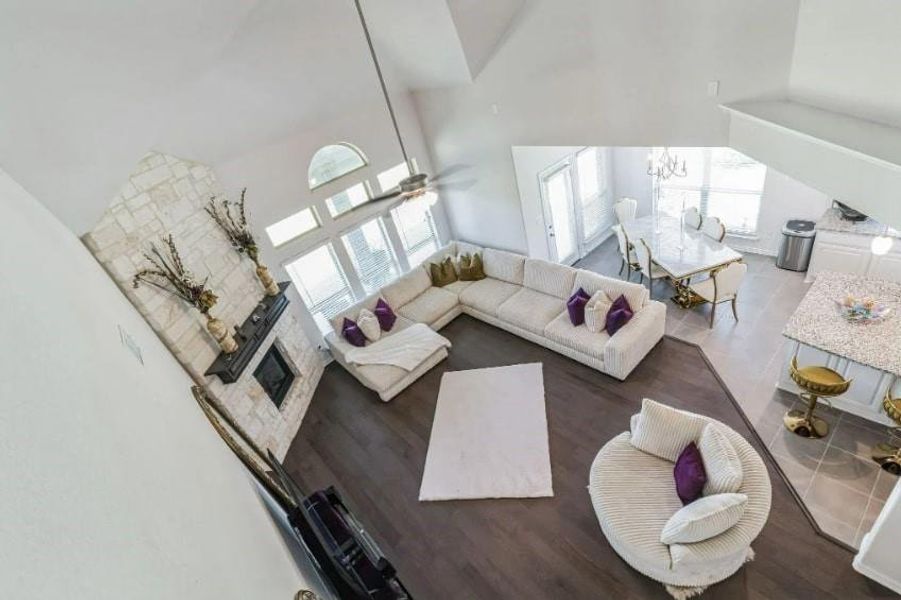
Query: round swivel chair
{"type": "Point", "coordinates": [815, 382]}
{"type": "Point", "coordinates": [889, 455]}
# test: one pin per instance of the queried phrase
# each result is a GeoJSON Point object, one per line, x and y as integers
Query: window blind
{"type": "Point", "coordinates": [371, 255]}
{"type": "Point", "coordinates": [417, 231]}
{"type": "Point", "coordinates": [322, 284]}
{"type": "Point", "coordinates": [596, 212]}
{"type": "Point", "coordinates": [347, 200]}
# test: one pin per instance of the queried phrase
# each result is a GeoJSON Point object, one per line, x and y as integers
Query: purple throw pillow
{"type": "Point", "coordinates": [576, 306]}
{"type": "Point", "coordinates": [619, 314]}
{"type": "Point", "coordinates": [690, 474]}
{"type": "Point", "coordinates": [385, 315]}
{"type": "Point", "coordinates": [352, 333]}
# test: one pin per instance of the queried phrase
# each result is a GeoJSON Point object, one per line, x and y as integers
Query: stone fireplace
{"type": "Point", "coordinates": [167, 195]}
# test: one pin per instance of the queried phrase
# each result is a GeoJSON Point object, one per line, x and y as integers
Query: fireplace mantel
{"type": "Point", "coordinates": [250, 335]}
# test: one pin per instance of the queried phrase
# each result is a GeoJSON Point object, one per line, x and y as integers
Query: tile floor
{"type": "Point", "coordinates": [841, 486]}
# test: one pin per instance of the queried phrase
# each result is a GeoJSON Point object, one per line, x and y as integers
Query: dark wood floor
{"type": "Point", "coordinates": [374, 454]}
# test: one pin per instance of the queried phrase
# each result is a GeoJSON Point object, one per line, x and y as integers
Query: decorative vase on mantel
{"type": "Point", "coordinates": [221, 333]}
{"type": "Point", "coordinates": [269, 284]}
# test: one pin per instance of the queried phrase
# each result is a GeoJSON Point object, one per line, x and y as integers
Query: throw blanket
{"type": "Point", "coordinates": [406, 349]}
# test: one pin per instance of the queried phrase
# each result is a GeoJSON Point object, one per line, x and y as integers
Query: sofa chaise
{"type": "Point", "coordinates": [524, 296]}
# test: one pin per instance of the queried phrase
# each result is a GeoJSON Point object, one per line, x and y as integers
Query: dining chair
{"type": "Point", "coordinates": [625, 209]}
{"type": "Point", "coordinates": [646, 266]}
{"type": "Point", "coordinates": [627, 253]}
{"type": "Point", "coordinates": [721, 286]}
{"type": "Point", "coordinates": [692, 217]}
{"type": "Point", "coordinates": [713, 228]}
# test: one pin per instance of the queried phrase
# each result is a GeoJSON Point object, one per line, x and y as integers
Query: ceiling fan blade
{"type": "Point", "coordinates": [454, 185]}
{"type": "Point", "coordinates": [395, 191]}
{"type": "Point", "coordinates": [450, 171]}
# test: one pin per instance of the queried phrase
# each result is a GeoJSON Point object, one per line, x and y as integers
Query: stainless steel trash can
{"type": "Point", "coordinates": [797, 243]}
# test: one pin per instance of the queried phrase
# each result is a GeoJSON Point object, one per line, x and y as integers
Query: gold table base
{"type": "Point", "coordinates": [685, 297]}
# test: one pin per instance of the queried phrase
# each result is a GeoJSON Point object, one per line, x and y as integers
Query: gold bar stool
{"type": "Point", "coordinates": [816, 382]}
{"type": "Point", "coordinates": [888, 455]}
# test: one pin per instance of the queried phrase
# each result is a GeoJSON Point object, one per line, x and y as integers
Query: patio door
{"type": "Point", "coordinates": [559, 213]}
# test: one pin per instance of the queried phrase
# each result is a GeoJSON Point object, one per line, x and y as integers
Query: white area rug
{"type": "Point", "coordinates": [489, 437]}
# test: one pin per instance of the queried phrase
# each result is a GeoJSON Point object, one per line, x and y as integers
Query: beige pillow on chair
{"type": "Point", "coordinates": [721, 462]}
{"type": "Point", "coordinates": [369, 325]}
{"type": "Point", "coordinates": [596, 312]}
{"type": "Point", "coordinates": [704, 518]}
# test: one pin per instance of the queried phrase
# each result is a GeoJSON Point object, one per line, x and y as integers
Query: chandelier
{"type": "Point", "coordinates": [667, 166]}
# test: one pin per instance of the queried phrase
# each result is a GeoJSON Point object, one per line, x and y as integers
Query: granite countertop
{"type": "Point", "coordinates": [832, 221]}
{"type": "Point", "coordinates": [817, 322]}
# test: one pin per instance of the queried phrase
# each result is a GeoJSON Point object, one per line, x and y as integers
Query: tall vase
{"type": "Point", "coordinates": [266, 279]}
{"type": "Point", "coordinates": [221, 334]}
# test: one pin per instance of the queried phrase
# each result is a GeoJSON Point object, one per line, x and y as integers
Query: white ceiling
{"type": "Point", "coordinates": [89, 87]}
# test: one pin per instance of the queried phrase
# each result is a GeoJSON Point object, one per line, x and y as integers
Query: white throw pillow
{"type": "Point", "coordinates": [369, 325]}
{"type": "Point", "coordinates": [721, 462]}
{"type": "Point", "coordinates": [665, 431]}
{"type": "Point", "coordinates": [596, 312]}
{"type": "Point", "coordinates": [704, 518]}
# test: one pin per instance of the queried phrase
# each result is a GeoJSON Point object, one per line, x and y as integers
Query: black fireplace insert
{"type": "Point", "coordinates": [274, 375]}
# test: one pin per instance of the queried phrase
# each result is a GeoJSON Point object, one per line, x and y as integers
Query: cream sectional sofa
{"type": "Point", "coordinates": [525, 296]}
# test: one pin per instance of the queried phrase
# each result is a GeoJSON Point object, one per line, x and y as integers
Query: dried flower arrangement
{"type": "Point", "coordinates": [169, 274]}
{"type": "Point", "coordinates": [232, 219]}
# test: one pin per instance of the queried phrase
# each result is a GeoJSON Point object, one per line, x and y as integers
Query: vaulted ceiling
{"type": "Point", "coordinates": [89, 87]}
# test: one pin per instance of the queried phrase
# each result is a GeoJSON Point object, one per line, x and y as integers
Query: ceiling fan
{"type": "Point", "coordinates": [416, 185]}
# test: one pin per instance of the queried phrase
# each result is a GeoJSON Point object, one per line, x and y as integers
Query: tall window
{"type": "Point", "coordinates": [391, 177]}
{"type": "Point", "coordinates": [292, 227]}
{"type": "Point", "coordinates": [371, 254]}
{"type": "Point", "coordinates": [331, 162]}
{"type": "Point", "coordinates": [591, 182]}
{"type": "Point", "coordinates": [417, 231]}
{"type": "Point", "coordinates": [322, 284]}
{"type": "Point", "coordinates": [347, 200]}
{"type": "Point", "coordinates": [721, 183]}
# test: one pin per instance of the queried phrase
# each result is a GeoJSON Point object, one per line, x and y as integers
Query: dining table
{"type": "Point", "coordinates": [681, 251]}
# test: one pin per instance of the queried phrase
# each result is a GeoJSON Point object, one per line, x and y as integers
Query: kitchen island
{"type": "Point", "coordinates": [870, 354]}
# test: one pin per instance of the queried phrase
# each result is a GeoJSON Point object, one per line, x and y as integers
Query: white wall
{"type": "Point", "coordinates": [116, 485]}
{"type": "Point", "coordinates": [603, 73]}
{"type": "Point", "coordinates": [630, 177]}
{"type": "Point", "coordinates": [847, 57]}
{"type": "Point", "coordinates": [783, 198]}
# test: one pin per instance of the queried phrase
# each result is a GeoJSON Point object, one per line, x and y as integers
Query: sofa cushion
{"type": "Point", "coordinates": [369, 325]}
{"type": "Point", "coordinates": [406, 287]}
{"type": "Point", "coordinates": [689, 474]}
{"type": "Point", "coordinates": [442, 273]}
{"type": "Point", "coordinates": [351, 332]}
{"type": "Point", "coordinates": [721, 463]}
{"type": "Point", "coordinates": [637, 295]}
{"type": "Point", "coordinates": [488, 294]}
{"type": "Point", "coordinates": [505, 266]}
{"type": "Point", "coordinates": [384, 314]}
{"type": "Point", "coordinates": [429, 306]}
{"type": "Point", "coordinates": [619, 315]}
{"type": "Point", "coordinates": [596, 311]}
{"type": "Point", "coordinates": [665, 431]}
{"type": "Point", "coordinates": [457, 287]}
{"type": "Point", "coordinates": [575, 307]}
{"type": "Point", "coordinates": [531, 310]}
{"type": "Point", "coordinates": [470, 267]}
{"type": "Point", "coordinates": [353, 311]}
{"type": "Point", "coordinates": [704, 518]}
{"type": "Point", "coordinates": [579, 338]}
{"type": "Point", "coordinates": [549, 278]}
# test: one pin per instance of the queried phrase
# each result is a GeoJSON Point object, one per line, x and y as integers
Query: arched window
{"type": "Point", "coordinates": [334, 161]}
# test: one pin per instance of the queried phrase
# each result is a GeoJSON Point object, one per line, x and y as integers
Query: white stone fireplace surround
{"type": "Point", "coordinates": [167, 195]}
